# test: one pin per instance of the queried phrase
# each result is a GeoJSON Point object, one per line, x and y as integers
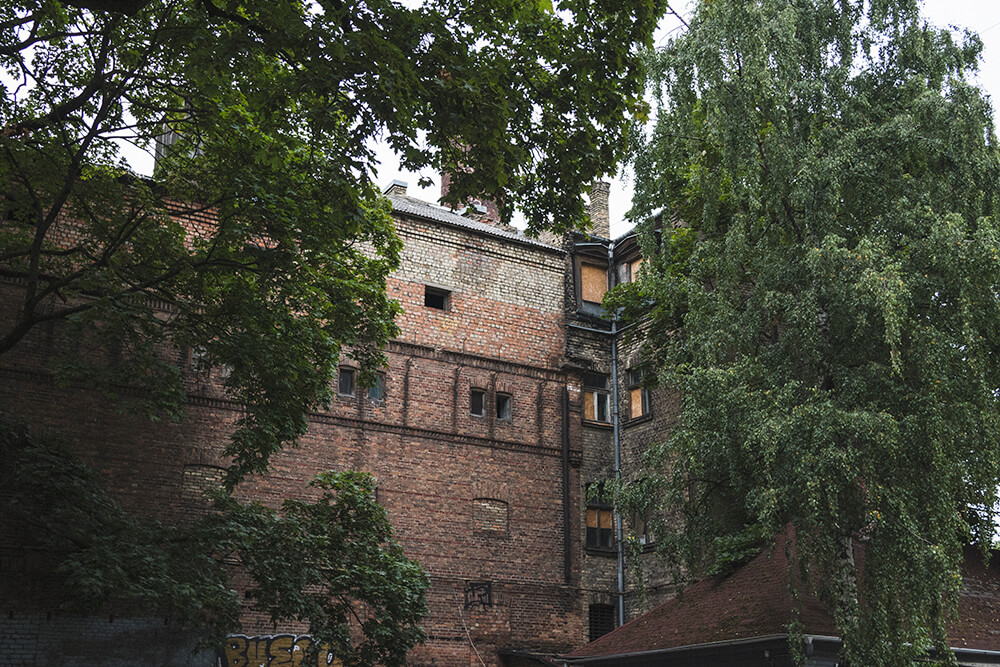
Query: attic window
{"type": "Point", "coordinates": [436, 298]}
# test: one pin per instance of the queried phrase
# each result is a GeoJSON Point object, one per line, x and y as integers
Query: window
{"type": "Point", "coordinates": [593, 283]}
{"type": "Point", "coordinates": [602, 620]}
{"type": "Point", "coordinates": [640, 526]}
{"type": "Point", "coordinates": [596, 399]}
{"type": "Point", "coordinates": [503, 407]}
{"type": "Point", "coordinates": [490, 516]}
{"type": "Point", "coordinates": [477, 403]}
{"type": "Point", "coordinates": [600, 531]}
{"type": "Point", "coordinates": [436, 298]}
{"type": "Point", "coordinates": [628, 272]}
{"type": "Point", "coordinates": [345, 382]}
{"type": "Point", "coordinates": [638, 396]}
{"type": "Point", "coordinates": [376, 392]}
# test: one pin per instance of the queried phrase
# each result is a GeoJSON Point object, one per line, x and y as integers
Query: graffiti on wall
{"type": "Point", "coordinates": [275, 651]}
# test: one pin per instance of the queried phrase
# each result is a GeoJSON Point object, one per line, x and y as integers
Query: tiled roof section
{"type": "Point", "coordinates": [755, 601]}
{"type": "Point", "coordinates": [421, 209]}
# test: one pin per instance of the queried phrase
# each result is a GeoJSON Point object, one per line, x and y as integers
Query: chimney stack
{"type": "Point", "coordinates": [397, 187]}
{"type": "Point", "coordinates": [600, 221]}
{"type": "Point", "coordinates": [478, 208]}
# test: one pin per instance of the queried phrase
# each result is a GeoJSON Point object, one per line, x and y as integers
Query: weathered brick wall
{"type": "Point", "coordinates": [503, 332]}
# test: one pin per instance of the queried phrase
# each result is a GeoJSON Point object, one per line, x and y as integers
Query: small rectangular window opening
{"type": "Point", "coordinates": [376, 392]}
{"type": "Point", "coordinates": [345, 382]}
{"type": "Point", "coordinates": [639, 400]}
{"type": "Point", "coordinates": [596, 398]}
{"type": "Point", "coordinates": [503, 407]}
{"type": "Point", "coordinates": [602, 620]}
{"type": "Point", "coordinates": [600, 523]}
{"type": "Point", "coordinates": [435, 298]}
{"type": "Point", "coordinates": [477, 403]}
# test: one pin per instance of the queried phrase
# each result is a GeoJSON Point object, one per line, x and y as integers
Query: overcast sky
{"type": "Point", "coordinates": [982, 16]}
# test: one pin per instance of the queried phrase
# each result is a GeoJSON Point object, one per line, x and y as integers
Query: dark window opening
{"type": "Point", "coordinates": [602, 620]}
{"type": "Point", "coordinates": [345, 382]}
{"type": "Point", "coordinates": [436, 298]}
{"type": "Point", "coordinates": [376, 392]}
{"type": "Point", "coordinates": [477, 402]}
{"type": "Point", "coordinates": [503, 406]}
{"type": "Point", "coordinates": [600, 520]}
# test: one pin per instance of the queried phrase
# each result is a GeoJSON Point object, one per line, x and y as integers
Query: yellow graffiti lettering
{"type": "Point", "coordinates": [236, 651]}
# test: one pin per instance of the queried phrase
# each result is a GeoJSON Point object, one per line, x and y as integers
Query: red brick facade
{"type": "Point", "coordinates": [483, 501]}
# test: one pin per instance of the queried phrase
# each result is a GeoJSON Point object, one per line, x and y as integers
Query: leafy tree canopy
{"type": "Point", "coordinates": [275, 107]}
{"type": "Point", "coordinates": [825, 294]}
{"type": "Point", "coordinates": [332, 560]}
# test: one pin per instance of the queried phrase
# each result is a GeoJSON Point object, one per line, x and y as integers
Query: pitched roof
{"type": "Point", "coordinates": [755, 602]}
{"type": "Point", "coordinates": [421, 209]}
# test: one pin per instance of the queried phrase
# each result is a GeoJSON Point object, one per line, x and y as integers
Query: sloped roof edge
{"type": "Point", "coordinates": [420, 209]}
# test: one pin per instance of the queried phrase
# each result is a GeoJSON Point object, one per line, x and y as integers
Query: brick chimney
{"type": "Point", "coordinates": [397, 187]}
{"type": "Point", "coordinates": [600, 221]}
{"type": "Point", "coordinates": [477, 208]}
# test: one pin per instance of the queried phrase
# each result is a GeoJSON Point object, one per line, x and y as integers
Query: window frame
{"type": "Point", "coordinates": [602, 538]}
{"type": "Point", "coordinates": [501, 400]}
{"type": "Point", "coordinates": [635, 377]}
{"type": "Point", "coordinates": [346, 372]}
{"type": "Point", "coordinates": [596, 395]}
{"type": "Point", "coordinates": [379, 385]}
{"type": "Point", "coordinates": [582, 305]}
{"type": "Point", "coordinates": [602, 624]}
{"type": "Point", "coordinates": [473, 392]}
{"type": "Point", "coordinates": [433, 293]}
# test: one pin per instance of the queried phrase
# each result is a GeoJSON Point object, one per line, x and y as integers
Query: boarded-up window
{"type": "Point", "coordinates": [593, 282]}
{"type": "Point", "coordinates": [198, 479]}
{"type": "Point", "coordinates": [600, 524]}
{"type": "Point", "coordinates": [490, 516]}
{"type": "Point", "coordinates": [639, 401]}
{"type": "Point", "coordinates": [596, 399]}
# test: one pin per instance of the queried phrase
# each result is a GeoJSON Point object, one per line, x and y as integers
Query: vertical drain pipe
{"type": "Point", "coordinates": [617, 444]}
{"type": "Point", "coordinates": [567, 571]}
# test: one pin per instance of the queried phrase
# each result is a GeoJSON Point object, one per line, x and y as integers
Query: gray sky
{"type": "Point", "coordinates": [983, 16]}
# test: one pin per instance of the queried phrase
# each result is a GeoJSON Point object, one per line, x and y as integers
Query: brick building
{"type": "Point", "coordinates": [506, 398]}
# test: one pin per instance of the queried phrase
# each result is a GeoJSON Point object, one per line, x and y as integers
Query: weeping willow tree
{"type": "Point", "coordinates": [825, 295]}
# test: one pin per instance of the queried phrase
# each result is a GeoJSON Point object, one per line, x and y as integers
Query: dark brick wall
{"type": "Point", "coordinates": [503, 332]}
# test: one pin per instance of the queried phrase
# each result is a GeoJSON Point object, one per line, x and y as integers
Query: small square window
{"type": "Point", "coordinates": [477, 403]}
{"type": "Point", "coordinates": [436, 298]}
{"type": "Point", "coordinates": [503, 406]}
{"type": "Point", "coordinates": [376, 392]}
{"type": "Point", "coordinates": [345, 382]}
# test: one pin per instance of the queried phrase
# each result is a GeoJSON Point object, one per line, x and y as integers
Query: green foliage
{"type": "Point", "coordinates": [331, 561]}
{"type": "Point", "coordinates": [276, 107]}
{"type": "Point", "coordinates": [829, 308]}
